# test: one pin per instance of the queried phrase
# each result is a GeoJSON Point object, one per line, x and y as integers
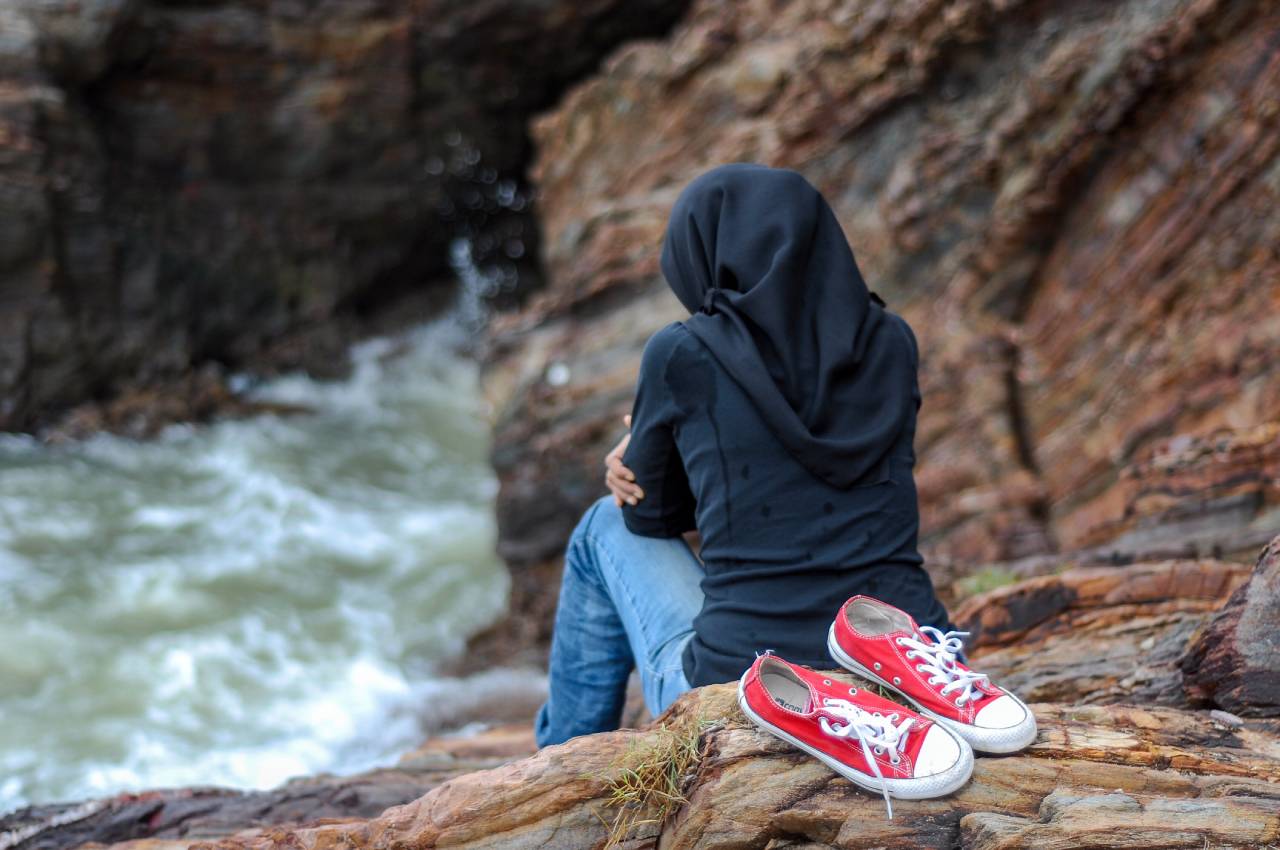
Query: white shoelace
{"type": "Point", "coordinates": [875, 732]}
{"type": "Point", "coordinates": [939, 660]}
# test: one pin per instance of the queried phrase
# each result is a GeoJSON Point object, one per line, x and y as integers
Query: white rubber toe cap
{"type": "Point", "coordinates": [938, 754]}
{"type": "Point", "coordinates": [1004, 712]}
{"type": "Point", "coordinates": [1006, 725]}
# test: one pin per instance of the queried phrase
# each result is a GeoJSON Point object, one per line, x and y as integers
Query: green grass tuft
{"type": "Point", "coordinates": [985, 579]}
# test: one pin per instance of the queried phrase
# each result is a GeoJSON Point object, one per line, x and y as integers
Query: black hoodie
{"type": "Point", "coordinates": [778, 420]}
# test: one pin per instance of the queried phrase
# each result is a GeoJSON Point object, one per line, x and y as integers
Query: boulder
{"type": "Point", "coordinates": [1235, 662]}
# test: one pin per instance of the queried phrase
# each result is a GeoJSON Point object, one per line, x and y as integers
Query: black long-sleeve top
{"type": "Point", "coordinates": [782, 548]}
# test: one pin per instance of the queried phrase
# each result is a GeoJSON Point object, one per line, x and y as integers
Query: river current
{"type": "Point", "coordinates": [250, 601]}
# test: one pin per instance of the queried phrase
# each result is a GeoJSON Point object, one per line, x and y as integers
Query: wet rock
{"type": "Point", "coordinates": [193, 183]}
{"type": "Point", "coordinates": [1235, 662]}
{"type": "Point", "coordinates": [168, 819]}
{"type": "Point", "coordinates": [143, 412]}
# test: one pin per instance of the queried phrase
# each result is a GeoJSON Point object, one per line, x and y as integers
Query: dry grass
{"type": "Point", "coordinates": [646, 784]}
{"type": "Point", "coordinates": [880, 690]}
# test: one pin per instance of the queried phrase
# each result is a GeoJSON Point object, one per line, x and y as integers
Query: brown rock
{"type": "Point", "coordinates": [1097, 635]}
{"type": "Point", "coordinates": [1115, 771]}
{"type": "Point", "coordinates": [1213, 494]}
{"type": "Point", "coordinates": [252, 184]}
{"type": "Point", "coordinates": [1070, 205]}
{"type": "Point", "coordinates": [168, 819]}
{"type": "Point", "coordinates": [506, 742]}
{"type": "Point", "coordinates": [1060, 604]}
{"type": "Point", "coordinates": [1235, 662]}
{"type": "Point", "coordinates": [1118, 820]}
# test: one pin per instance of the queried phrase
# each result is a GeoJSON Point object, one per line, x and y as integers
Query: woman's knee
{"type": "Point", "coordinates": [582, 552]}
{"type": "Point", "coordinates": [603, 515]}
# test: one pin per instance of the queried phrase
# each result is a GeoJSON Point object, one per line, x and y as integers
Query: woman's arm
{"type": "Point", "coordinates": [666, 505]}
{"type": "Point", "coordinates": [620, 480]}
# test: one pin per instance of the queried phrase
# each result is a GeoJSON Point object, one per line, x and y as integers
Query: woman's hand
{"type": "Point", "coordinates": [619, 479]}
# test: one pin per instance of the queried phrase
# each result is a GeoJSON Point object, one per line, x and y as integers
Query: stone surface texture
{"type": "Point", "coordinates": [244, 184]}
{"type": "Point", "coordinates": [176, 817]}
{"type": "Point", "coordinates": [1235, 661]}
{"type": "Point", "coordinates": [1123, 759]}
{"type": "Point", "coordinates": [1101, 776]}
{"type": "Point", "coordinates": [1072, 203]}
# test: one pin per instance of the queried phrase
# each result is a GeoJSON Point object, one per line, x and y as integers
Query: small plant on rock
{"type": "Point", "coordinates": [646, 785]}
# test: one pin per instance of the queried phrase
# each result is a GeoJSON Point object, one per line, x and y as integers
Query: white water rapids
{"type": "Point", "coordinates": [251, 601]}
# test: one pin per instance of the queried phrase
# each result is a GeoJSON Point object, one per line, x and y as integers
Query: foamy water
{"type": "Point", "coordinates": [252, 601]}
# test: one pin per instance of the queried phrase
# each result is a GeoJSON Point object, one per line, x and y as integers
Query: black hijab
{"type": "Point", "coordinates": [758, 258]}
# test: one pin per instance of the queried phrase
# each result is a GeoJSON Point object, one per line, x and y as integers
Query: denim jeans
{"type": "Point", "coordinates": [626, 602]}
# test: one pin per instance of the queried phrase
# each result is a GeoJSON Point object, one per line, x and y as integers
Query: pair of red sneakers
{"type": "Point", "coordinates": [874, 742]}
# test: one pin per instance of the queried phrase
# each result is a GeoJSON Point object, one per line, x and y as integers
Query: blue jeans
{"type": "Point", "coordinates": [626, 602]}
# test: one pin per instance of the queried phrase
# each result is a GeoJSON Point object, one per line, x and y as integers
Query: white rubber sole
{"type": "Point", "coordinates": [923, 788]}
{"type": "Point", "coordinates": [994, 741]}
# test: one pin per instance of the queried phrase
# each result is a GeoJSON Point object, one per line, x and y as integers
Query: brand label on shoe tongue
{"type": "Point", "coordinates": [782, 702]}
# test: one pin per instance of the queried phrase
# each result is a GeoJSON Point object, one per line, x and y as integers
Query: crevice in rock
{"type": "Point", "coordinates": [1024, 441]}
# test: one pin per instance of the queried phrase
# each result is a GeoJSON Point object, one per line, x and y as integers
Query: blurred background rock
{"type": "Point", "coordinates": [254, 184]}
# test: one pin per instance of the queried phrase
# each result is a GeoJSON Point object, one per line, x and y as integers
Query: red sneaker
{"type": "Point", "coordinates": [883, 643]}
{"type": "Point", "coordinates": [873, 742]}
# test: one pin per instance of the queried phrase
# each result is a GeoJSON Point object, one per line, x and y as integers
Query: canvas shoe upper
{"type": "Point", "coordinates": [884, 644]}
{"type": "Point", "coordinates": [871, 741]}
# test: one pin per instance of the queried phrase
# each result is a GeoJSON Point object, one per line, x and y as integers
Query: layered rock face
{"type": "Point", "coordinates": [202, 182]}
{"type": "Point", "coordinates": [1072, 203]}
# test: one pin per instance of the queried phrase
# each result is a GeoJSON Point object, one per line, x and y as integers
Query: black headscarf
{"type": "Point", "coordinates": [758, 258]}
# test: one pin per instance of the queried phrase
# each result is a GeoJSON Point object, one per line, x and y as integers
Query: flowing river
{"type": "Point", "coordinates": [255, 600]}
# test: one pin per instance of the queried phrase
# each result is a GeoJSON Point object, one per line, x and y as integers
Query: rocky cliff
{"type": "Point", "coordinates": [1128, 754]}
{"type": "Point", "coordinates": [1073, 204]}
{"type": "Point", "coordinates": [215, 184]}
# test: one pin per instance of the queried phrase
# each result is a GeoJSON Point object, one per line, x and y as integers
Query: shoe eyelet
{"type": "Point", "coordinates": [894, 717]}
{"type": "Point", "coordinates": [897, 680]}
{"type": "Point", "coordinates": [895, 762]}
{"type": "Point", "coordinates": [852, 691]}
{"type": "Point", "coordinates": [878, 751]}
{"type": "Point", "coordinates": [876, 665]}
{"type": "Point", "coordinates": [876, 714]}
{"type": "Point", "coordinates": [899, 642]}
{"type": "Point", "coordinates": [826, 681]}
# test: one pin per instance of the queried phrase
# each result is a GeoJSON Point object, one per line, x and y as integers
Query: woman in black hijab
{"type": "Point", "coordinates": [777, 421]}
